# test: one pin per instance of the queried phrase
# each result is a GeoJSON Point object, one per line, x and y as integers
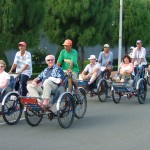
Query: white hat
{"type": "Point", "coordinates": [131, 47]}
{"type": "Point", "coordinates": [92, 57]}
{"type": "Point", "coordinates": [106, 45]}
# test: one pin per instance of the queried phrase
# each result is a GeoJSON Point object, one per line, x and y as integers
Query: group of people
{"type": "Point", "coordinates": [52, 76]}
{"type": "Point", "coordinates": [127, 68]}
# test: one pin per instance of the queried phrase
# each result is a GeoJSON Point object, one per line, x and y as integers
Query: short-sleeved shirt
{"type": "Point", "coordinates": [73, 56]}
{"type": "Point", "coordinates": [90, 67]}
{"type": "Point", "coordinates": [137, 54]}
{"type": "Point", "coordinates": [3, 77]}
{"type": "Point", "coordinates": [21, 61]}
{"type": "Point", "coordinates": [104, 59]}
{"type": "Point", "coordinates": [54, 71]}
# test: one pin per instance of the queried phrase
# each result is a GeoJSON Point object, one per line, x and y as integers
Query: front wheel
{"type": "Point", "coordinates": [11, 108]}
{"type": "Point", "coordinates": [141, 92]}
{"type": "Point", "coordinates": [65, 110]}
{"type": "Point", "coordinates": [80, 104]}
{"type": "Point", "coordinates": [33, 117]}
{"type": "Point", "coordinates": [102, 91]}
{"type": "Point", "coordinates": [116, 96]}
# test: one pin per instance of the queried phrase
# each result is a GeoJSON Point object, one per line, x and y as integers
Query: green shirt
{"type": "Point", "coordinates": [73, 56]}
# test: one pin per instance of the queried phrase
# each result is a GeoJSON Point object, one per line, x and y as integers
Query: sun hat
{"type": "Point", "coordinates": [106, 45]}
{"type": "Point", "coordinates": [67, 42]}
{"type": "Point", "coordinates": [138, 42]}
{"type": "Point", "coordinates": [92, 57]}
{"type": "Point", "coordinates": [22, 43]}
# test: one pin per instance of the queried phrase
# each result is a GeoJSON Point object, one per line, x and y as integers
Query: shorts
{"type": "Point", "coordinates": [74, 76]}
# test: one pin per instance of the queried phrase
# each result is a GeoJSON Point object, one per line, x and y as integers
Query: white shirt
{"type": "Point", "coordinates": [21, 61]}
{"type": "Point", "coordinates": [137, 54]}
{"type": "Point", "coordinates": [3, 77]}
{"type": "Point", "coordinates": [90, 67]}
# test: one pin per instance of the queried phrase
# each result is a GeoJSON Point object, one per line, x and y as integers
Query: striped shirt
{"type": "Point", "coordinates": [21, 61]}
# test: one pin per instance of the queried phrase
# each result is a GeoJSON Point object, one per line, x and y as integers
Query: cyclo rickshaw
{"type": "Point", "coordinates": [99, 87]}
{"type": "Point", "coordinates": [68, 106]}
{"type": "Point", "coordinates": [135, 87]}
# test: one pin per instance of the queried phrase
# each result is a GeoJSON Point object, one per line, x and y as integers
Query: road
{"type": "Point", "coordinates": [105, 126]}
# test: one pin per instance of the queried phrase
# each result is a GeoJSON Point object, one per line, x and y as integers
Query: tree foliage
{"type": "Point", "coordinates": [136, 22]}
{"type": "Point", "coordinates": [86, 22]}
{"type": "Point", "coordinates": [20, 20]}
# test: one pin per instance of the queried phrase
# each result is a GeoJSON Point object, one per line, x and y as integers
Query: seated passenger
{"type": "Point", "coordinates": [126, 70]}
{"type": "Point", "coordinates": [139, 57]}
{"type": "Point", "coordinates": [106, 59]}
{"type": "Point", "coordinates": [4, 76]}
{"type": "Point", "coordinates": [50, 77]}
{"type": "Point", "coordinates": [91, 71]}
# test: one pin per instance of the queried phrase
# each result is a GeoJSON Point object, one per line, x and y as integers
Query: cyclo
{"type": "Point", "coordinates": [135, 87]}
{"type": "Point", "coordinates": [99, 87]}
{"type": "Point", "coordinates": [67, 106]}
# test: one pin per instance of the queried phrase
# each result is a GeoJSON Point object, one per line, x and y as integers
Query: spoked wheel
{"type": "Point", "coordinates": [33, 117]}
{"type": "Point", "coordinates": [142, 91]}
{"type": "Point", "coordinates": [116, 96]}
{"type": "Point", "coordinates": [11, 108]}
{"type": "Point", "coordinates": [66, 110]}
{"type": "Point", "coordinates": [102, 91]}
{"type": "Point", "coordinates": [81, 104]}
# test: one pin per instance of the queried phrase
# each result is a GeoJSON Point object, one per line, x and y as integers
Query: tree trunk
{"type": "Point", "coordinates": [82, 58]}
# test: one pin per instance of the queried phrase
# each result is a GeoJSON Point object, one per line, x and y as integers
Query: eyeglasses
{"type": "Point", "coordinates": [1, 66]}
{"type": "Point", "coordinates": [106, 47]}
{"type": "Point", "coordinates": [50, 60]}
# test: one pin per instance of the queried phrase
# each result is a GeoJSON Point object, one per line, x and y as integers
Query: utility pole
{"type": "Point", "coordinates": [120, 34]}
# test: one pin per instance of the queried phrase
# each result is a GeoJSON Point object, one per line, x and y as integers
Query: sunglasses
{"type": "Point", "coordinates": [106, 47]}
{"type": "Point", "coordinates": [1, 66]}
{"type": "Point", "coordinates": [50, 60]}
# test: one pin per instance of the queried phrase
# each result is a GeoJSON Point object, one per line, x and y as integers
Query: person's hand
{"type": "Point", "coordinates": [34, 83]}
{"type": "Point", "coordinates": [69, 70]}
{"type": "Point", "coordinates": [10, 72]}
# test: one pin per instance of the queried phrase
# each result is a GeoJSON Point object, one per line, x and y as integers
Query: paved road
{"type": "Point", "coordinates": [105, 126]}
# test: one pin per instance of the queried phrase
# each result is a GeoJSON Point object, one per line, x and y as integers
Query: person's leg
{"type": "Point", "coordinates": [23, 84]}
{"type": "Point", "coordinates": [93, 78]}
{"type": "Point", "coordinates": [109, 72]}
{"type": "Point", "coordinates": [48, 87]}
{"type": "Point", "coordinates": [74, 82]}
{"type": "Point", "coordinates": [35, 91]}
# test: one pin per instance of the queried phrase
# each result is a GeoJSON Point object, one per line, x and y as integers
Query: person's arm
{"type": "Point", "coordinates": [4, 84]}
{"type": "Point", "coordinates": [60, 59]}
{"type": "Point", "coordinates": [12, 68]}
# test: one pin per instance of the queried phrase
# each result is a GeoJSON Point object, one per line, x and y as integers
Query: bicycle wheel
{"type": "Point", "coordinates": [11, 108]}
{"type": "Point", "coordinates": [66, 111]}
{"type": "Point", "coordinates": [102, 91]}
{"type": "Point", "coordinates": [141, 92]}
{"type": "Point", "coordinates": [116, 96]}
{"type": "Point", "coordinates": [33, 117]}
{"type": "Point", "coordinates": [81, 104]}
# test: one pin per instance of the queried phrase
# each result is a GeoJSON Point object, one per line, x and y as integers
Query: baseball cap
{"type": "Point", "coordinates": [106, 45]}
{"type": "Point", "coordinates": [67, 42]}
{"type": "Point", "coordinates": [22, 43]}
{"type": "Point", "coordinates": [92, 57]}
{"type": "Point", "coordinates": [138, 42]}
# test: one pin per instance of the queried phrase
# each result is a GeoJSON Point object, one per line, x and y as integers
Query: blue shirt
{"type": "Point", "coordinates": [103, 60]}
{"type": "Point", "coordinates": [54, 71]}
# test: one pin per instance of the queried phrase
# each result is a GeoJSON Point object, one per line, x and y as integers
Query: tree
{"type": "Point", "coordinates": [86, 23]}
{"type": "Point", "coordinates": [20, 20]}
{"type": "Point", "coordinates": [136, 22]}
